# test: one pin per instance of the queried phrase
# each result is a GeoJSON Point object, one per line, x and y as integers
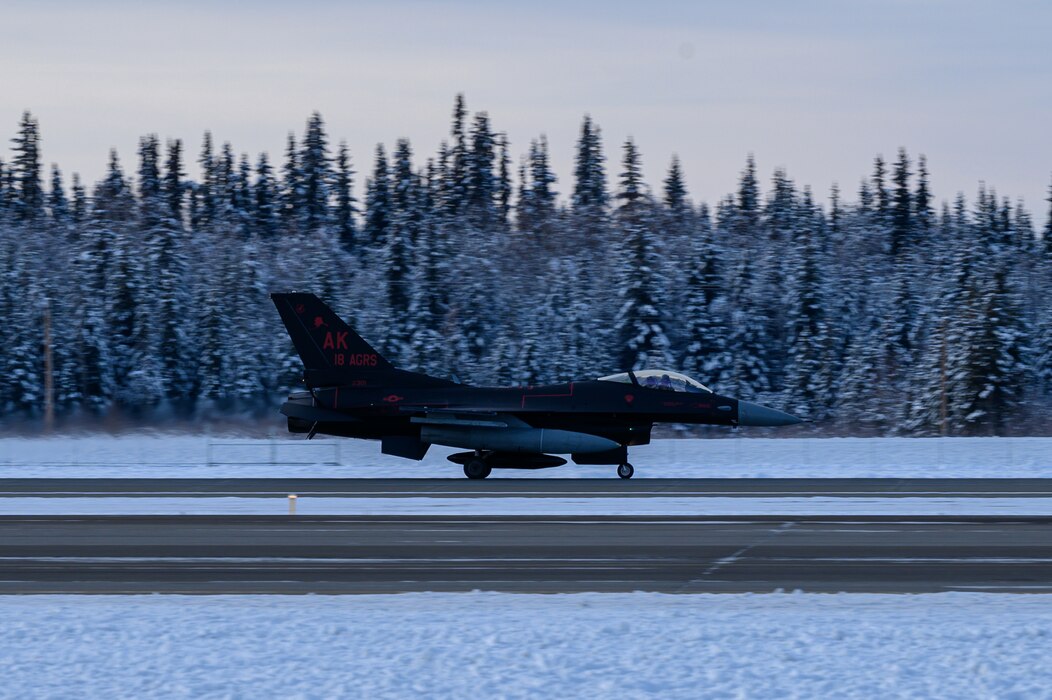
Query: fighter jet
{"type": "Point", "coordinates": [353, 391]}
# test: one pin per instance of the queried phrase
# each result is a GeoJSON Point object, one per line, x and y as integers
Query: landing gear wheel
{"type": "Point", "coordinates": [625, 471]}
{"type": "Point", "coordinates": [476, 469]}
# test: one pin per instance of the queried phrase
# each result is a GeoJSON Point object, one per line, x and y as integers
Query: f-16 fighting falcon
{"type": "Point", "coordinates": [352, 391]}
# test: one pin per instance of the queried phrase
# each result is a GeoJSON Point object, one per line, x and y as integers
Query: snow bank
{"type": "Point", "coordinates": [949, 645]}
{"type": "Point", "coordinates": [737, 457]}
{"type": "Point", "coordinates": [683, 506]}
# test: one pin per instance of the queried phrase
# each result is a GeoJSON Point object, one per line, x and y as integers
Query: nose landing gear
{"type": "Point", "coordinates": [625, 471]}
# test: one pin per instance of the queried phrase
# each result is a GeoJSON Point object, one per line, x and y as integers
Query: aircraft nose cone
{"type": "Point", "coordinates": [754, 414]}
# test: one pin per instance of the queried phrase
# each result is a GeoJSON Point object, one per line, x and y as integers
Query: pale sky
{"type": "Point", "coordinates": [817, 87]}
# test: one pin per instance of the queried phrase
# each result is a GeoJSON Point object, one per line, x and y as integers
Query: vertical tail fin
{"type": "Point", "coordinates": [330, 349]}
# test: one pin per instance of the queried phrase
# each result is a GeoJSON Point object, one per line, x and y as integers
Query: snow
{"type": "Point", "coordinates": [637, 645]}
{"type": "Point", "coordinates": [682, 506]}
{"type": "Point", "coordinates": [167, 456]}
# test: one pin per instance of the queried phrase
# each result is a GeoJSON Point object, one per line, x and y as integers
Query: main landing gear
{"type": "Point", "coordinates": [625, 471]}
{"type": "Point", "coordinates": [476, 468]}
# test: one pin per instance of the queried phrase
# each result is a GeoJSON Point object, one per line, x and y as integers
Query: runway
{"type": "Point", "coordinates": [529, 488]}
{"type": "Point", "coordinates": [240, 554]}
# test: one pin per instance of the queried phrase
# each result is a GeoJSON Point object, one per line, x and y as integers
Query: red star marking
{"type": "Point", "coordinates": [393, 398]}
{"type": "Point", "coordinates": [300, 308]}
{"type": "Point", "coordinates": [629, 398]}
{"type": "Point", "coordinates": [319, 322]}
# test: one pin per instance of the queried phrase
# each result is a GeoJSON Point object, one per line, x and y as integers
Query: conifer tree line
{"type": "Point", "coordinates": [889, 312]}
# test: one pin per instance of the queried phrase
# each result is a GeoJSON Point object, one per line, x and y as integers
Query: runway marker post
{"type": "Point", "coordinates": [292, 504]}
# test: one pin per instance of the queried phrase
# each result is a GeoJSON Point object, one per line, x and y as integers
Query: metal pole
{"type": "Point", "coordinates": [942, 380]}
{"type": "Point", "coordinates": [49, 372]}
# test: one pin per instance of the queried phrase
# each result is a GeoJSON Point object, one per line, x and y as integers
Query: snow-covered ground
{"type": "Point", "coordinates": [165, 456]}
{"type": "Point", "coordinates": [952, 645]}
{"type": "Point", "coordinates": [483, 645]}
{"type": "Point", "coordinates": [684, 506]}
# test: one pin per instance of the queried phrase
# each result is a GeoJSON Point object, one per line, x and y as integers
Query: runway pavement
{"type": "Point", "coordinates": [295, 554]}
{"type": "Point", "coordinates": [529, 487]}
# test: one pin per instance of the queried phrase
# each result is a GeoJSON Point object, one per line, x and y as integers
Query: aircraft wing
{"type": "Point", "coordinates": [315, 414]}
{"type": "Point", "coordinates": [460, 418]}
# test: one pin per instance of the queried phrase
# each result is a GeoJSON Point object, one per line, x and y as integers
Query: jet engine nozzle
{"type": "Point", "coordinates": [753, 414]}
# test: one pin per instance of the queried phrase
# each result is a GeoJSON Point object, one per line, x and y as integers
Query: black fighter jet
{"type": "Point", "coordinates": [352, 391]}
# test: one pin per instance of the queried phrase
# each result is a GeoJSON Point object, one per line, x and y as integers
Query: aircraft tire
{"type": "Point", "coordinates": [476, 469]}
{"type": "Point", "coordinates": [625, 471]}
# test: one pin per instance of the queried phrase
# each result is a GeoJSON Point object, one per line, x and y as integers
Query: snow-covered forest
{"type": "Point", "coordinates": [886, 310]}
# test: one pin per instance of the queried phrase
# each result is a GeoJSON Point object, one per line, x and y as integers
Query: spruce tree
{"type": "Point", "coordinates": [170, 292]}
{"type": "Point", "coordinates": [864, 401]}
{"type": "Point", "coordinates": [922, 199]}
{"type": "Point", "coordinates": [836, 214]}
{"type": "Point", "coordinates": [704, 321]}
{"type": "Point", "coordinates": [173, 185]}
{"type": "Point", "coordinates": [226, 190]}
{"type": "Point", "coordinates": [149, 182]}
{"type": "Point", "coordinates": [631, 191]}
{"type": "Point", "coordinates": [291, 189]}
{"type": "Point", "coordinates": [58, 204]}
{"type": "Point", "coordinates": [245, 360]}
{"type": "Point", "coordinates": [1004, 345]}
{"type": "Point", "coordinates": [678, 222]}
{"type": "Point", "coordinates": [675, 189]}
{"type": "Point", "coordinates": [95, 378]}
{"type": "Point", "coordinates": [881, 194]}
{"type": "Point", "coordinates": [457, 186]}
{"type": "Point", "coordinates": [865, 206]}
{"type": "Point", "coordinates": [504, 187]}
{"type": "Point", "coordinates": [136, 378]}
{"type": "Point", "coordinates": [5, 198]}
{"type": "Point", "coordinates": [315, 176]}
{"type": "Point", "coordinates": [1046, 236]}
{"type": "Point", "coordinates": [204, 193]}
{"type": "Point", "coordinates": [480, 195]}
{"type": "Point", "coordinates": [748, 376]}
{"type": "Point", "coordinates": [1023, 231]}
{"type": "Point", "coordinates": [25, 169]}
{"type": "Point", "coordinates": [80, 201]}
{"type": "Point", "coordinates": [399, 253]}
{"type": "Point", "coordinates": [808, 384]}
{"type": "Point", "coordinates": [244, 197]}
{"type": "Point", "coordinates": [640, 327]}
{"type": "Point", "coordinates": [747, 219]}
{"type": "Point", "coordinates": [429, 346]}
{"type": "Point", "coordinates": [590, 198]}
{"type": "Point", "coordinates": [589, 192]}
{"type": "Point", "coordinates": [267, 199]}
{"type": "Point", "coordinates": [23, 305]}
{"type": "Point", "coordinates": [378, 202]}
{"type": "Point", "coordinates": [525, 210]}
{"type": "Point", "coordinates": [953, 378]}
{"type": "Point", "coordinates": [345, 204]}
{"type": "Point", "coordinates": [542, 192]}
{"type": "Point", "coordinates": [902, 207]}
{"type": "Point", "coordinates": [780, 212]}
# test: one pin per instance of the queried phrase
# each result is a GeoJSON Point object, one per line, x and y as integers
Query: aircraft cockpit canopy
{"type": "Point", "coordinates": [660, 379]}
